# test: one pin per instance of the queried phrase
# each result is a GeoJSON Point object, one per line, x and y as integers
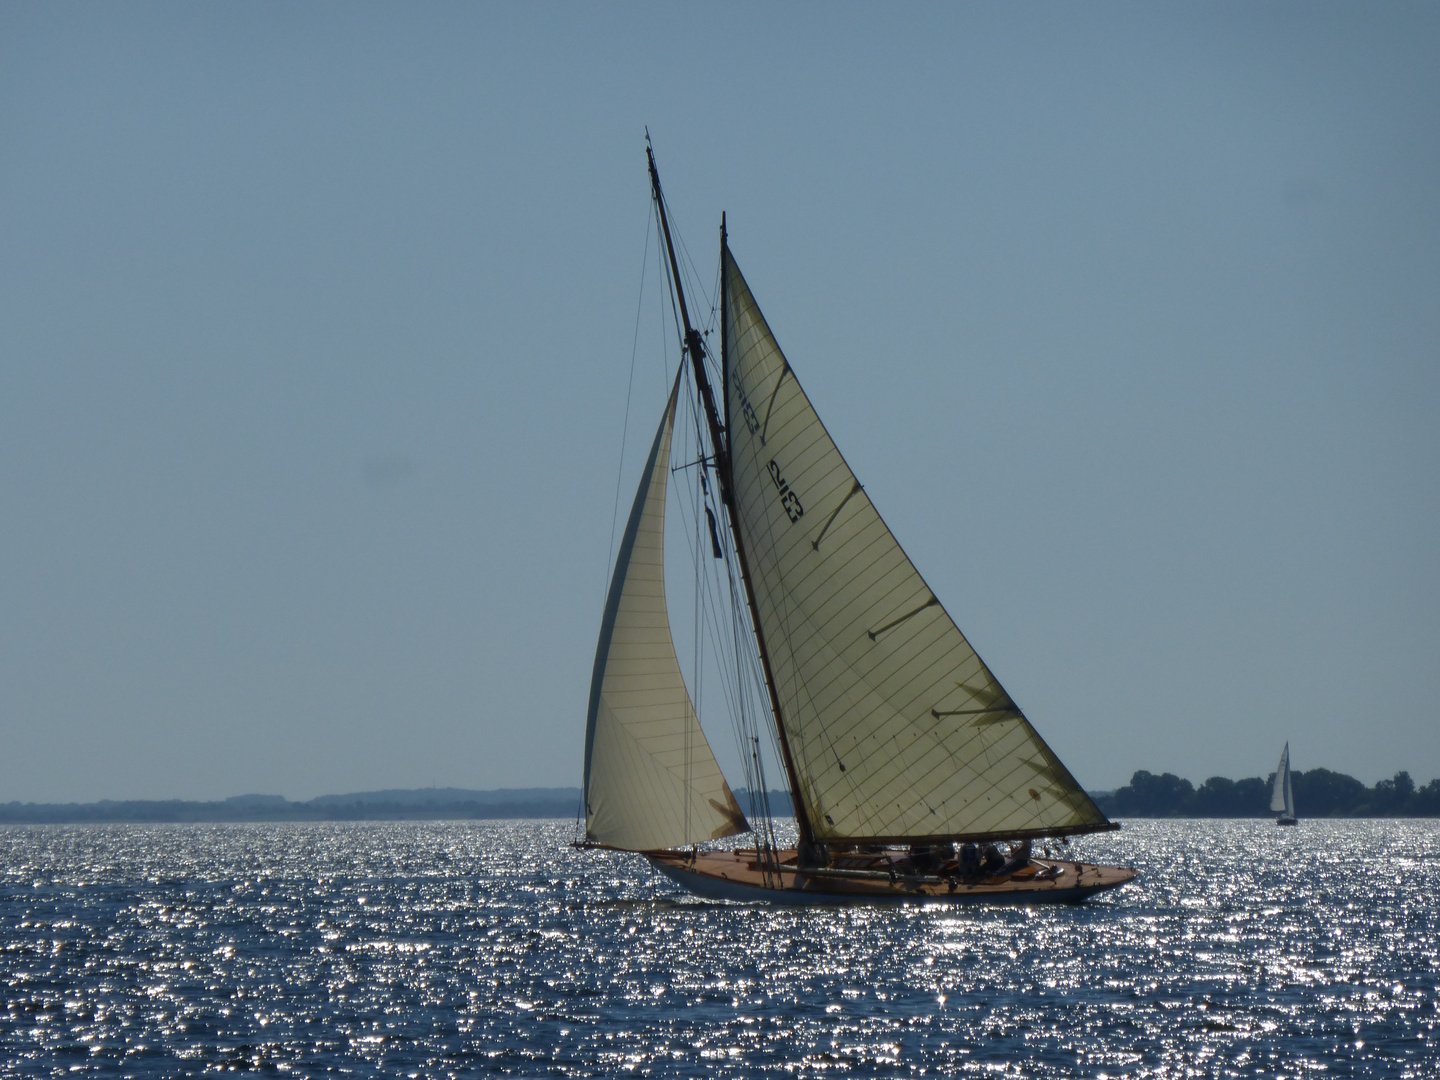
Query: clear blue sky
{"type": "Point", "coordinates": [317, 321]}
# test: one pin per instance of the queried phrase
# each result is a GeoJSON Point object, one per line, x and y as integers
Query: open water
{"type": "Point", "coordinates": [490, 949]}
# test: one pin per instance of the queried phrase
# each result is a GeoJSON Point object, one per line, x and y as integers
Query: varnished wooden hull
{"type": "Point", "coordinates": [727, 875]}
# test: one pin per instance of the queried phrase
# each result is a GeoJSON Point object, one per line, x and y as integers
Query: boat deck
{"type": "Point", "coordinates": [738, 875]}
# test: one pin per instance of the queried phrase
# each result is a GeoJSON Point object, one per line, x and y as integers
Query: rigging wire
{"type": "Point", "coordinates": [697, 632]}
{"type": "Point", "coordinates": [731, 648]}
{"type": "Point", "coordinates": [692, 510]}
{"type": "Point", "coordinates": [624, 440]}
{"type": "Point", "coordinates": [742, 678]}
{"type": "Point", "coordinates": [629, 395]}
{"type": "Point", "coordinates": [687, 268]}
{"type": "Point", "coordinates": [697, 668]}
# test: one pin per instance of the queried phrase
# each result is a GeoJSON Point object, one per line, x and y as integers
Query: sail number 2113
{"type": "Point", "coordinates": [789, 501]}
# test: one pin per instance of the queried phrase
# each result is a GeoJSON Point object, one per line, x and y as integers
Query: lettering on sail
{"type": "Point", "coordinates": [747, 411]}
{"type": "Point", "coordinates": [789, 501]}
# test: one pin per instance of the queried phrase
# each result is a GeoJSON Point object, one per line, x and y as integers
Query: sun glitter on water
{"type": "Point", "coordinates": [488, 948]}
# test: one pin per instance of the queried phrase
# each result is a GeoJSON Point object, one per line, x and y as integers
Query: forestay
{"type": "Point", "coordinates": [897, 730]}
{"type": "Point", "coordinates": [651, 779]}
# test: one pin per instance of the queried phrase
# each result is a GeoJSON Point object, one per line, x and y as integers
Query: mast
{"type": "Point", "coordinates": [695, 346]}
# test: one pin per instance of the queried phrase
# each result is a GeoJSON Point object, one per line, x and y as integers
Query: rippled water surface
{"type": "Point", "coordinates": [489, 948]}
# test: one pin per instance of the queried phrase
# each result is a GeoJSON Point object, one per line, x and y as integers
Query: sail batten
{"type": "Point", "coordinates": [651, 779]}
{"type": "Point", "coordinates": [879, 691]}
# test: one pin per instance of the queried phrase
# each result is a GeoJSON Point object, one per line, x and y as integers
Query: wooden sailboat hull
{"type": "Point", "coordinates": [727, 875]}
{"type": "Point", "coordinates": [1286, 821]}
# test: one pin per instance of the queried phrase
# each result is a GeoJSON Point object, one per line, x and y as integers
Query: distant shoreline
{"type": "Point", "coordinates": [423, 804]}
{"type": "Point", "coordinates": [419, 804]}
{"type": "Point", "coordinates": [1319, 793]}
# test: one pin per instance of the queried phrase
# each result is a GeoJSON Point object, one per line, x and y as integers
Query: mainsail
{"type": "Point", "coordinates": [651, 779]}
{"type": "Point", "coordinates": [896, 729]}
{"type": "Point", "coordinates": [1282, 799]}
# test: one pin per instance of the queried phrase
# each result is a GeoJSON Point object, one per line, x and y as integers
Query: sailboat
{"type": "Point", "coordinates": [1282, 798]}
{"type": "Point", "coordinates": [906, 760]}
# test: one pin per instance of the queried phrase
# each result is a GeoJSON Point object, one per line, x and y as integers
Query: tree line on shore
{"type": "Point", "coordinates": [1318, 793]}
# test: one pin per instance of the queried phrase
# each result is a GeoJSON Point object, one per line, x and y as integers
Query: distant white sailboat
{"type": "Point", "coordinates": [1282, 798]}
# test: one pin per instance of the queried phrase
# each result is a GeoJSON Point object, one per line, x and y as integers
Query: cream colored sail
{"type": "Point", "coordinates": [896, 728]}
{"type": "Point", "coordinates": [651, 780]}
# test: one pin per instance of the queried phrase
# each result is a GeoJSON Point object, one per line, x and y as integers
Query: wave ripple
{"type": "Point", "coordinates": [490, 949]}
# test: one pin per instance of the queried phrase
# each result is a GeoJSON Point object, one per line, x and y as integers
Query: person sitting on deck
{"type": "Point", "coordinates": [1019, 858]}
{"type": "Point", "coordinates": [931, 858]}
{"type": "Point", "coordinates": [969, 861]}
{"type": "Point", "coordinates": [990, 858]}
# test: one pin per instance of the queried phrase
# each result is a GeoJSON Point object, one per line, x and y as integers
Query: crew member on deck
{"type": "Point", "coordinates": [1019, 857]}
